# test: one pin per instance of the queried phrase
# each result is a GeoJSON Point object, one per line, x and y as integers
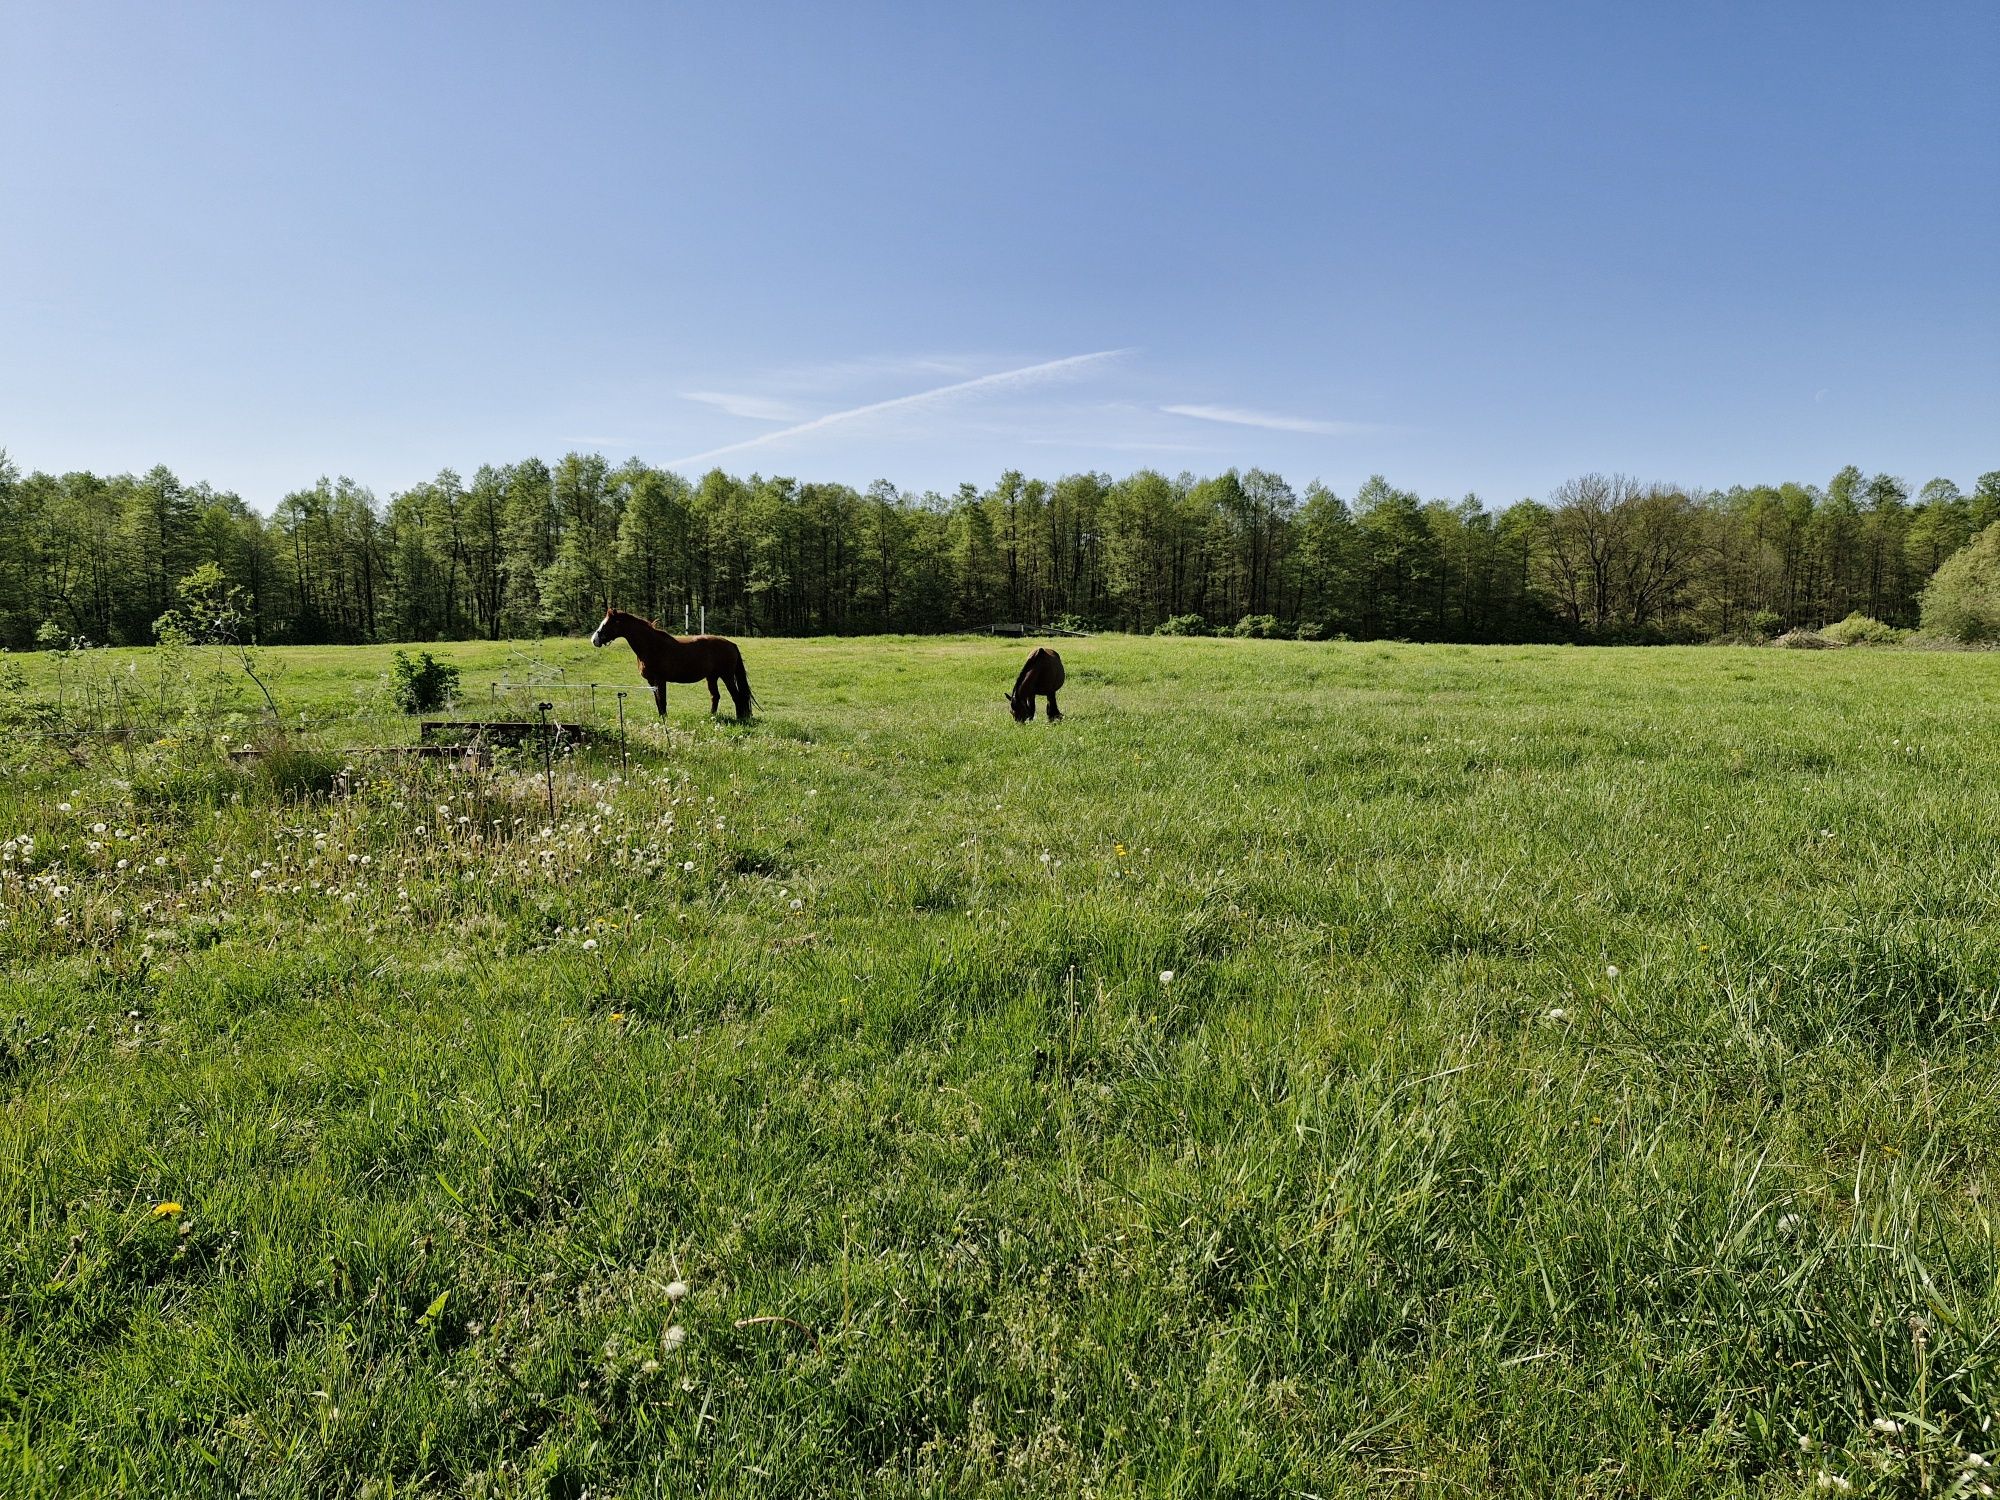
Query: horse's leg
{"type": "Point", "coordinates": [714, 697]}
{"type": "Point", "coordinates": [660, 698]}
{"type": "Point", "coordinates": [1054, 712]}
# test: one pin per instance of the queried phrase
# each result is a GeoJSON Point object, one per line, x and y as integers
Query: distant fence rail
{"type": "Point", "coordinates": [1016, 628]}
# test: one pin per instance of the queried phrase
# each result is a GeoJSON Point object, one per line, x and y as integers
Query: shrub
{"type": "Point", "coordinates": [1259, 627]}
{"type": "Point", "coordinates": [1805, 640]}
{"type": "Point", "coordinates": [1312, 630]}
{"type": "Point", "coordinates": [1862, 630]}
{"type": "Point", "coordinates": [1765, 623]}
{"type": "Point", "coordinates": [422, 685]}
{"type": "Point", "coordinates": [1962, 600]}
{"type": "Point", "coordinates": [1183, 625]}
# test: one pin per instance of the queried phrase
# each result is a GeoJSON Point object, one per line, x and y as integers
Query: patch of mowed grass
{"type": "Point", "coordinates": [1574, 1077]}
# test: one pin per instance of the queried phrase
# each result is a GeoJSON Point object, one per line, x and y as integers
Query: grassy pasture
{"type": "Point", "coordinates": [1576, 1075]}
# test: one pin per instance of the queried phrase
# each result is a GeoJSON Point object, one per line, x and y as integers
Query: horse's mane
{"type": "Point", "coordinates": [1027, 667]}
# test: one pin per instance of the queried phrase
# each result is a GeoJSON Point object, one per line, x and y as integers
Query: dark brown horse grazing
{"type": "Point", "coordinates": [1042, 675]}
{"type": "Point", "coordinates": [665, 658]}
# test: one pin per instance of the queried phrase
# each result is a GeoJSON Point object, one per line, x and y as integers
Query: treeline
{"type": "Point", "coordinates": [528, 549]}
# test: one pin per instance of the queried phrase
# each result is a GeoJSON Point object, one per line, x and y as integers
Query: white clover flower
{"type": "Point", "coordinates": [590, 945]}
{"type": "Point", "coordinates": [1832, 1482]}
{"type": "Point", "coordinates": [1884, 1424]}
{"type": "Point", "coordinates": [1558, 1014]}
{"type": "Point", "coordinates": [672, 1337]}
{"type": "Point", "coordinates": [687, 864]}
{"type": "Point", "coordinates": [676, 1290]}
{"type": "Point", "coordinates": [97, 828]}
{"type": "Point", "coordinates": [797, 904]}
{"type": "Point", "coordinates": [123, 863]}
{"type": "Point", "coordinates": [1611, 971]}
{"type": "Point", "coordinates": [1166, 976]}
{"type": "Point", "coordinates": [62, 807]}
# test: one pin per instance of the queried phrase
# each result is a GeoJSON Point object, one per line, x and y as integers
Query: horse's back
{"type": "Point", "coordinates": [1042, 672]}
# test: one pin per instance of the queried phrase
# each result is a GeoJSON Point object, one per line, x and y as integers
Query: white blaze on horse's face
{"type": "Point", "coordinates": [597, 636]}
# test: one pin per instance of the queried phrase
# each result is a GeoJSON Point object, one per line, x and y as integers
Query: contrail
{"type": "Point", "coordinates": [983, 382]}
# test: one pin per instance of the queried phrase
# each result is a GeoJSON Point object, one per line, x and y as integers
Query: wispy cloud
{"type": "Point", "coordinates": [758, 408]}
{"type": "Point", "coordinates": [1026, 375]}
{"type": "Point", "coordinates": [1239, 416]}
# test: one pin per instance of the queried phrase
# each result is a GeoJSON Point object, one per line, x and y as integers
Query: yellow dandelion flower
{"type": "Point", "coordinates": [165, 1210]}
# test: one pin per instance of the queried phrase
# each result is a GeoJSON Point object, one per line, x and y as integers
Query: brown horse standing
{"type": "Point", "coordinates": [665, 658]}
{"type": "Point", "coordinates": [1042, 675]}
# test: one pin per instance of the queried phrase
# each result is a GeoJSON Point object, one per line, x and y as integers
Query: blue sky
{"type": "Point", "coordinates": [1475, 247]}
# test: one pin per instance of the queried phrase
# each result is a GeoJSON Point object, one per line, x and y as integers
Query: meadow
{"type": "Point", "coordinates": [1308, 1069]}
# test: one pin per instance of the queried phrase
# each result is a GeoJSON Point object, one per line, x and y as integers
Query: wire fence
{"type": "Point", "coordinates": [501, 713]}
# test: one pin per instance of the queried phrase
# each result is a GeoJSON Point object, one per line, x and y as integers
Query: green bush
{"type": "Point", "coordinates": [1183, 625]}
{"type": "Point", "coordinates": [423, 685]}
{"type": "Point", "coordinates": [1311, 630]}
{"type": "Point", "coordinates": [1765, 623]}
{"type": "Point", "coordinates": [1863, 630]}
{"type": "Point", "coordinates": [1259, 628]}
{"type": "Point", "coordinates": [1962, 599]}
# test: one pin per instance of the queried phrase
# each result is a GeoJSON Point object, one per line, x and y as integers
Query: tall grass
{"type": "Point", "coordinates": [1310, 1069]}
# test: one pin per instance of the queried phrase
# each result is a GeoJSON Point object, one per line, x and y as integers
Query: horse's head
{"type": "Point", "coordinates": [1022, 704]}
{"type": "Point", "coordinates": [611, 629]}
